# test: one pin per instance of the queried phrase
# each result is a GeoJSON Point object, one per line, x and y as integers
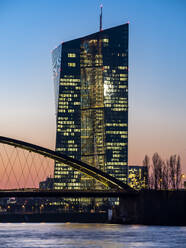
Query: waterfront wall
{"type": "Point", "coordinates": [153, 208]}
{"type": "Point", "coordinates": [85, 217]}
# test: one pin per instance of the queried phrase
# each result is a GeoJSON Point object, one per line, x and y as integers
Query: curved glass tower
{"type": "Point", "coordinates": [91, 86]}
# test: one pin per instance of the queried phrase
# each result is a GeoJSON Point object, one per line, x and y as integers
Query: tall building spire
{"type": "Point", "coordinates": [100, 22]}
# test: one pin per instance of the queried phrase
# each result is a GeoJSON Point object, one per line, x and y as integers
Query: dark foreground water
{"type": "Point", "coordinates": [90, 235]}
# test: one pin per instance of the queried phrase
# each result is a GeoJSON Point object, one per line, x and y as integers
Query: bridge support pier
{"type": "Point", "coordinates": [128, 209]}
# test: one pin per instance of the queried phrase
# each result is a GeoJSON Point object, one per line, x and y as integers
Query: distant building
{"type": "Point", "coordinates": [47, 184]}
{"type": "Point", "coordinates": [91, 86]}
{"type": "Point", "coordinates": [138, 177]}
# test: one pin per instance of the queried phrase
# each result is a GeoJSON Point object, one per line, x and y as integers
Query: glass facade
{"type": "Point", "coordinates": [92, 106]}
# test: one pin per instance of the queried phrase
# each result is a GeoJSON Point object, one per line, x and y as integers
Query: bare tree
{"type": "Point", "coordinates": [146, 163]}
{"type": "Point", "coordinates": [172, 164]}
{"type": "Point", "coordinates": [178, 172]}
{"type": "Point", "coordinates": [157, 170]}
{"type": "Point", "coordinates": [151, 181]}
{"type": "Point", "coordinates": [154, 170]}
{"type": "Point", "coordinates": [163, 174]}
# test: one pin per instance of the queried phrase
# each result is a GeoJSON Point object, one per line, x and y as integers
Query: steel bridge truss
{"type": "Point", "coordinates": [82, 167]}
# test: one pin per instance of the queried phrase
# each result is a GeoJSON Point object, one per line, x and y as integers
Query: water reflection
{"type": "Point", "coordinates": [69, 235]}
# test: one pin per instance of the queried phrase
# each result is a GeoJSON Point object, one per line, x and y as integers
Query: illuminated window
{"type": "Point", "coordinates": [106, 40]}
{"type": "Point", "coordinates": [71, 55]}
{"type": "Point", "coordinates": [72, 64]}
{"type": "Point", "coordinates": [122, 67]}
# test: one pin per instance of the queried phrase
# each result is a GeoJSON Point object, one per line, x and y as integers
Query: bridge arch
{"type": "Point", "coordinates": [82, 167]}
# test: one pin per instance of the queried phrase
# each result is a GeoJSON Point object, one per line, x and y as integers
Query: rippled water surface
{"type": "Point", "coordinates": [90, 235]}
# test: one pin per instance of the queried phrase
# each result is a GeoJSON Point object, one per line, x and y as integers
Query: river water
{"type": "Point", "coordinates": [69, 235]}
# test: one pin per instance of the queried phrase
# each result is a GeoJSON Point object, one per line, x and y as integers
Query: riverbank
{"type": "Point", "coordinates": [74, 217]}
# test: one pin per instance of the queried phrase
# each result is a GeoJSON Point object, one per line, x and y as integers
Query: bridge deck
{"type": "Point", "coordinates": [64, 193]}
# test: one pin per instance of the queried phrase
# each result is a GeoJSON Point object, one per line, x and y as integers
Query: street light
{"type": "Point", "coordinates": [41, 207]}
{"type": "Point", "coordinates": [182, 178]}
{"type": "Point", "coordinates": [23, 208]}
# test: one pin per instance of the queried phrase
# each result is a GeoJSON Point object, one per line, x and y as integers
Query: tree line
{"type": "Point", "coordinates": [163, 174]}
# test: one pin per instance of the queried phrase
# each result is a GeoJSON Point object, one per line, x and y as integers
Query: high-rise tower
{"type": "Point", "coordinates": [91, 85]}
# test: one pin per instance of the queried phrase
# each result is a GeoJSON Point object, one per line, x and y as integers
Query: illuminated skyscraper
{"type": "Point", "coordinates": [91, 86]}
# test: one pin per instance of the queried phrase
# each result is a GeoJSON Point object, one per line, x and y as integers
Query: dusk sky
{"type": "Point", "coordinates": [157, 62]}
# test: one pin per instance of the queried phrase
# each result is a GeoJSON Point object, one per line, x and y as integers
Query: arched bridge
{"type": "Point", "coordinates": [82, 167]}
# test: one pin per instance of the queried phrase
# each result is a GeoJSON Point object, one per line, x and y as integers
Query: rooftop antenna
{"type": "Point", "coordinates": [100, 23]}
